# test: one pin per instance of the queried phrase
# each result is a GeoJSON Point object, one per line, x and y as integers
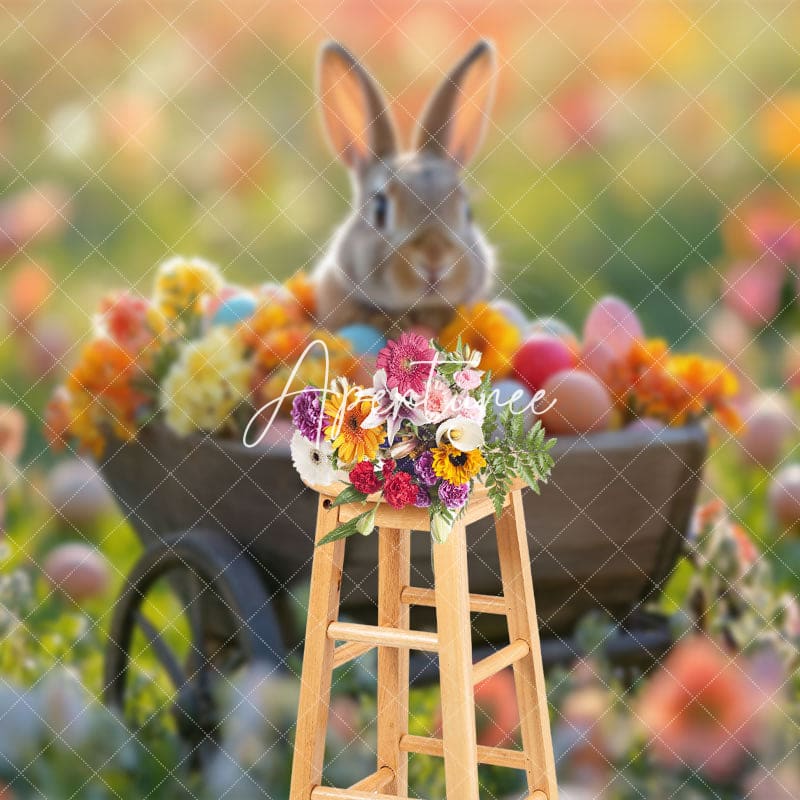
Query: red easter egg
{"type": "Point", "coordinates": [77, 570]}
{"type": "Point", "coordinates": [614, 323]}
{"type": "Point", "coordinates": [768, 425]}
{"type": "Point", "coordinates": [784, 495]}
{"type": "Point", "coordinates": [539, 358]}
{"type": "Point", "coordinates": [582, 403]}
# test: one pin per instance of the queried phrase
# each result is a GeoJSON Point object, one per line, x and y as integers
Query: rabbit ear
{"type": "Point", "coordinates": [358, 123]}
{"type": "Point", "coordinates": [454, 120]}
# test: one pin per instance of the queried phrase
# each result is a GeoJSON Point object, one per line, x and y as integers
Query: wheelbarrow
{"type": "Point", "coordinates": [228, 537]}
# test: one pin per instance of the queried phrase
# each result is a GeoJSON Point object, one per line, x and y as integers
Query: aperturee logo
{"type": "Point", "coordinates": [424, 401]}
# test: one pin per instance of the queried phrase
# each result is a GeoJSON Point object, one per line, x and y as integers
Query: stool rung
{"type": "Point", "coordinates": [375, 782]}
{"type": "Point", "coordinates": [496, 756]}
{"type": "Point", "coordinates": [330, 793]}
{"type": "Point", "coordinates": [478, 603]}
{"type": "Point", "coordinates": [498, 660]}
{"type": "Point", "coordinates": [379, 636]}
{"type": "Point", "coordinates": [348, 652]}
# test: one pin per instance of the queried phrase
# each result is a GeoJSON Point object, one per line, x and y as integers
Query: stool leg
{"type": "Point", "coordinates": [515, 569]}
{"type": "Point", "coordinates": [315, 685]}
{"type": "Point", "coordinates": [394, 573]}
{"type": "Point", "coordinates": [455, 666]}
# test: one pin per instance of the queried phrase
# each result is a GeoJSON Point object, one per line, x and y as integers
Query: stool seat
{"type": "Point", "coordinates": [331, 643]}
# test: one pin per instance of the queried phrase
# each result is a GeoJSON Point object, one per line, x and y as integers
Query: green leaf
{"type": "Point", "coordinates": [344, 530]}
{"type": "Point", "coordinates": [348, 495]}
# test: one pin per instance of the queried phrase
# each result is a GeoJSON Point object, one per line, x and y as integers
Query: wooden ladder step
{"type": "Point", "coordinates": [478, 603]}
{"type": "Point", "coordinates": [496, 756]}
{"type": "Point", "coordinates": [374, 782]}
{"type": "Point", "coordinates": [378, 636]}
{"type": "Point", "coordinates": [330, 793]}
{"type": "Point", "coordinates": [345, 653]}
{"type": "Point", "coordinates": [498, 660]}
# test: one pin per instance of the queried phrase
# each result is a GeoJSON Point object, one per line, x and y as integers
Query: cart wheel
{"type": "Point", "coordinates": [194, 610]}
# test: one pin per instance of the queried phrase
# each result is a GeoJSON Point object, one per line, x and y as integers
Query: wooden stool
{"type": "Point", "coordinates": [453, 643]}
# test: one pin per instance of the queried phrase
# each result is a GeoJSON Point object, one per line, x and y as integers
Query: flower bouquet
{"type": "Point", "coordinates": [422, 435]}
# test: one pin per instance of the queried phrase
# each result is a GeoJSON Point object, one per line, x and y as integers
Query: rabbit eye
{"type": "Point", "coordinates": [381, 210]}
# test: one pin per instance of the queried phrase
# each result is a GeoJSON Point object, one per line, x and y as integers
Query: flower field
{"type": "Point", "coordinates": [167, 192]}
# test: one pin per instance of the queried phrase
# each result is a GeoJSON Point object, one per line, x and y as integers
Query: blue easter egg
{"type": "Point", "coordinates": [512, 312]}
{"type": "Point", "coordinates": [502, 394]}
{"type": "Point", "coordinates": [364, 339]}
{"type": "Point", "coordinates": [234, 309]}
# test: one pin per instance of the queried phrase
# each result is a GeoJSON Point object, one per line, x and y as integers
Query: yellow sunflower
{"type": "Point", "coordinates": [457, 466]}
{"type": "Point", "coordinates": [353, 443]}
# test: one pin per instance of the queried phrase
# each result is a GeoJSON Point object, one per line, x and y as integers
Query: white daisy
{"type": "Point", "coordinates": [314, 464]}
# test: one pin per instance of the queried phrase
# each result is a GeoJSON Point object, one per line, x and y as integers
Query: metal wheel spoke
{"type": "Point", "coordinates": [198, 590]}
{"type": "Point", "coordinates": [162, 650]}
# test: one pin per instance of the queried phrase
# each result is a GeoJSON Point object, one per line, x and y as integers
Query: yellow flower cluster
{"type": "Point", "coordinates": [206, 384]}
{"type": "Point", "coordinates": [484, 328]}
{"type": "Point", "coordinates": [182, 283]}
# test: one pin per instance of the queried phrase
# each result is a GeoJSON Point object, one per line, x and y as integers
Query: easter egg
{"type": "Point", "coordinates": [552, 326]}
{"type": "Point", "coordinates": [614, 323]}
{"type": "Point", "coordinates": [753, 290]}
{"type": "Point", "coordinates": [233, 309]}
{"type": "Point", "coordinates": [212, 304]}
{"type": "Point", "coordinates": [77, 493]}
{"type": "Point", "coordinates": [598, 359]}
{"type": "Point", "coordinates": [540, 357]}
{"type": "Point", "coordinates": [768, 425]}
{"type": "Point", "coordinates": [784, 495]}
{"type": "Point", "coordinates": [77, 570]}
{"type": "Point", "coordinates": [512, 312]}
{"type": "Point", "coordinates": [582, 403]}
{"type": "Point", "coordinates": [514, 395]}
{"type": "Point", "coordinates": [363, 339]}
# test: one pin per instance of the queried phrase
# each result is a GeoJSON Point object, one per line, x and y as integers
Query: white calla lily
{"type": "Point", "coordinates": [462, 433]}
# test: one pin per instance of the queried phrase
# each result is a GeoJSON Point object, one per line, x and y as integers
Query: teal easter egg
{"type": "Point", "coordinates": [234, 309]}
{"type": "Point", "coordinates": [363, 339]}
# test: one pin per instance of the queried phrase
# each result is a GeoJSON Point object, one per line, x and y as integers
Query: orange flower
{"type": "Point", "coordinates": [352, 442]}
{"type": "Point", "coordinates": [677, 389]}
{"type": "Point", "coordinates": [105, 390]}
{"type": "Point", "coordinates": [486, 329]}
{"type": "Point", "coordinates": [700, 710]}
{"type": "Point", "coordinates": [304, 290]}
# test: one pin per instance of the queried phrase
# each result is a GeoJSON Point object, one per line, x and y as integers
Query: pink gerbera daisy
{"type": "Point", "coordinates": [408, 363]}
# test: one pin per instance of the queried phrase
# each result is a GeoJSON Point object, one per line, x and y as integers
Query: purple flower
{"type": "Point", "coordinates": [423, 498]}
{"type": "Point", "coordinates": [453, 495]}
{"type": "Point", "coordinates": [424, 468]}
{"type": "Point", "coordinates": [307, 413]}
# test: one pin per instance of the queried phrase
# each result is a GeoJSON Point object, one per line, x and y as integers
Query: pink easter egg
{"type": "Point", "coordinates": [77, 570]}
{"type": "Point", "coordinates": [614, 323]}
{"type": "Point", "coordinates": [784, 495]}
{"type": "Point", "coordinates": [77, 493]}
{"type": "Point", "coordinates": [598, 359]}
{"type": "Point", "coordinates": [540, 357]}
{"type": "Point", "coordinates": [768, 425]}
{"type": "Point", "coordinates": [582, 403]}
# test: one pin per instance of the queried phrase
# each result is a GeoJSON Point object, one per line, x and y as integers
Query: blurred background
{"type": "Point", "coordinates": [649, 150]}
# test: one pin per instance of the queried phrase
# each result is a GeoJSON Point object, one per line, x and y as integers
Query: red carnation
{"type": "Point", "coordinates": [399, 490]}
{"type": "Point", "coordinates": [388, 467]}
{"type": "Point", "coordinates": [363, 477]}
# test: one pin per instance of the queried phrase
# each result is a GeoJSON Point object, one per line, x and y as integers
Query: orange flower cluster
{"type": "Point", "coordinates": [675, 388]}
{"type": "Point", "coordinates": [104, 393]}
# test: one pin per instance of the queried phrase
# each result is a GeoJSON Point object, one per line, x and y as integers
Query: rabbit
{"type": "Point", "coordinates": [409, 252]}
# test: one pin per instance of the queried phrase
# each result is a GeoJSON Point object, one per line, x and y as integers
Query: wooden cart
{"type": "Point", "coordinates": [229, 531]}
